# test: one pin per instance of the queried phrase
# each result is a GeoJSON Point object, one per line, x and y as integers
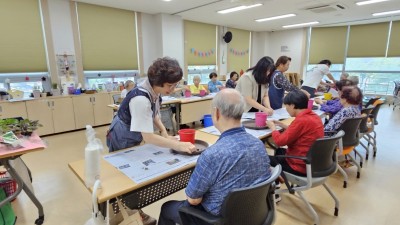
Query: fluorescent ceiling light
{"type": "Point", "coordinates": [386, 13]}
{"type": "Point", "coordinates": [300, 24]}
{"type": "Point", "coordinates": [370, 2]}
{"type": "Point", "coordinates": [275, 17]}
{"type": "Point", "coordinates": [238, 8]}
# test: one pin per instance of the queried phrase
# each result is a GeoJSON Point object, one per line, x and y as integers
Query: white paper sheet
{"type": "Point", "coordinates": [147, 162]}
{"type": "Point", "coordinates": [256, 133]}
{"type": "Point", "coordinates": [168, 98]}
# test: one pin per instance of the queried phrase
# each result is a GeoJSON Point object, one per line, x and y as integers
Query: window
{"type": "Point", "coordinates": [103, 79]}
{"type": "Point", "coordinates": [376, 75]}
{"type": "Point", "coordinates": [26, 82]}
{"type": "Point", "coordinates": [202, 71]}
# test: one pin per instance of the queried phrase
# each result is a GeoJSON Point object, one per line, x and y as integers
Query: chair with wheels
{"type": "Point", "coordinates": [365, 130]}
{"type": "Point", "coordinates": [321, 162]}
{"type": "Point", "coordinates": [348, 145]}
{"type": "Point", "coordinates": [244, 206]}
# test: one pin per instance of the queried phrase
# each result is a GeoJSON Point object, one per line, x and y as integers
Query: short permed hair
{"type": "Point", "coordinates": [352, 94]}
{"type": "Point", "coordinates": [164, 70]}
{"type": "Point", "coordinates": [213, 74]}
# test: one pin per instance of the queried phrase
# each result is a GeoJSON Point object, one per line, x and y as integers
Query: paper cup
{"type": "Point", "coordinates": [261, 119]}
{"type": "Point", "coordinates": [310, 104]}
{"type": "Point", "coordinates": [202, 93]}
{"type": "Point", "coordinates": [188, 94]}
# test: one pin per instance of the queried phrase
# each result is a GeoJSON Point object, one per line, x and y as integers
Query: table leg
{"type": "Point", "coordinates": [21, 185]}
{"type": "Point", "coordinates": [178, 116]}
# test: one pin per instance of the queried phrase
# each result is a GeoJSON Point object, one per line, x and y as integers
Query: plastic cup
{"type": "Point", "coordinates": [310, 104]}
{"type": "Point", "coordinates": [328, 96]}
{"type": "Point", "coordinates": [208, 120]}
{"type": "Point", "coordinates": [187, 135]}
{"type": "Point", "coordinates": [188, 94]}
{"type": "Point", "coordinates": [261, 119]}
{"type": "Point", "coordinates": [202, 93]}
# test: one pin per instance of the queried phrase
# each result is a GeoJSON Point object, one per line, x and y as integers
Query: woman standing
{"type": "Point", "coordinates": [232, 81]}
{"type": "Point", "coordinates": [140, 110]}
{"type": "Point", "coordinates": [253, 86]}
{"type": "Point", "coordinates": [279, 84]}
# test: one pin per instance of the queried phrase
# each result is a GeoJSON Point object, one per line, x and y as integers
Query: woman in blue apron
{"type": "Point", "coordinates": [279, 84]}
{"type": "Point", "coordinates": [139, 112]}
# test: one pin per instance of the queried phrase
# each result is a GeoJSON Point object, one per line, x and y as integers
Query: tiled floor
{"type": "Point", "coordinates": [372, 199]}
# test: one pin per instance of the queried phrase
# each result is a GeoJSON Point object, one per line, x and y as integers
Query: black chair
{"type": "Point", "coordinates": [321, 162]}
{"type": "Point", "coordinates": [365, 130]}
{"type": "Point", "coordinates": [245, 206]}
{"type": "Point", "coordinates": [348, 144]}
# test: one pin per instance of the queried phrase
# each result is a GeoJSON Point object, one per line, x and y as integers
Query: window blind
{"type": "Point", "coordinates": [200, 43]}
{"type": "Point", "coordinates": [394, 41]}
{"type": "Point", "coordinates": [368, 40]}
{"type": "Point", "coordinates": [328, 43]}
{"type": "Point", "coordinates": [239, 50]}
{"type": "Point", "coordinates": [21, 40]}
{"type": "Point", "coordinates": [108, 38]}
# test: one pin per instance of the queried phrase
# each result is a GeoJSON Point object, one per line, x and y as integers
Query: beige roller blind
{"type": "Point", "coordinates": [328, 43]}
{"type": "Point", "coordinates": [394, 43]}
{"type": "Point", "coordinates": [368, 40]}
{"type": "Point", "coordinates": [21, 37]}
{"type": "Point", "coordinates": [238, 50]}
{"type": "Point", "coordinates": [108, 38]}
{"type": "Point", "coordinates": [200, 43]}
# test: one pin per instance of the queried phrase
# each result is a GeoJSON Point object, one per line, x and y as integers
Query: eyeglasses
{"type": "Point", "coordinates": [172, 86]}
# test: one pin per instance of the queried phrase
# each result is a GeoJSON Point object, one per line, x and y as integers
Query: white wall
{"type": "Point", "coordinates": [61, 26]}
{"type": "Point", "coordinates": [295, 42]}
{"type": "Point", "coordinates": [260, 46]}
{"type": "Point", "coordinates": [173, 37]}
{"type": "Point", "coordinates": [151, 40]}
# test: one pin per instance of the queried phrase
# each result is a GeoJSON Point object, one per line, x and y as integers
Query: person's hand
{"type": "Point", "coordinates": [186, 147]}
{"type": "Point", "coordinates": [318, 101]}
{"type": "Point", "coordinates": [269, 111]}
{"type": "Point", "coordinates": [271, 125]}
{"type": "Point", "coordinates": [306, 92]}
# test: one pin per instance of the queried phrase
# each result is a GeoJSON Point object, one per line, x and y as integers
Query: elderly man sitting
{"type": "Point", "coordinates": [236, 160]}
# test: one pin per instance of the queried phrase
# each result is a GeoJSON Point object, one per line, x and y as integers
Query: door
{"type": "Point", "coordinates": [41, 110]}
{"type": "Point", "coordinates": [102, 113]}
{"type": "Point", "coordinates": [63, 114]}
{"type": "Point", "coordinates": [12, 109]}
{"type": "Point", "coordinates": [83, 110]}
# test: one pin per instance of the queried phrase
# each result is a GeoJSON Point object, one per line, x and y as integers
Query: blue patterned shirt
{"type": "Point", "coordinates": [236, 160]}
{"type": "Point", "coordinates": [212, 86]}
{"type": "Point", "coordinates": [339, 118]}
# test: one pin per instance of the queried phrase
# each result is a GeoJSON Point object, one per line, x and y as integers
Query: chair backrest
{"type": "Point", "coordinates": [371, 101]}
{"type": "Point", "coordinates": [252, 205]}
{"type": "Point", "coordinates": [351, 129]}
{"type": "Point", "coordinates": [364, 121]}
{"type": "Point", "coordinates": [322, 155]}
{"type": "Point", "coordinates": [375, 111]}
{"type": "Point", "coordinates": [117, 98]}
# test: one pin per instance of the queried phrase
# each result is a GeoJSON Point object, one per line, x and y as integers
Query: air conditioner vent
{"type": "Point", "coordinates": [325, 8]}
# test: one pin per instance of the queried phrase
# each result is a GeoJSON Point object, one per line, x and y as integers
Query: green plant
{"type": "Point", "coordinates": [24, 127]}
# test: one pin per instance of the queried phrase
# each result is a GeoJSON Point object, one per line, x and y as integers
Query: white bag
{"type": "Point", "coordinates": [125, 216]}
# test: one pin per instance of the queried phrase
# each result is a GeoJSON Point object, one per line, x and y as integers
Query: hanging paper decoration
{"type": "Point", "coordinates": [238, 53]}
{"type": "Point", "coordinates": [26, 78]}
{"type": "Point", "coordinates": [198, 53]}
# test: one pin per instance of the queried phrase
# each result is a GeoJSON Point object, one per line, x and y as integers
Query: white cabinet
{"type": "Point", "coordinates": [92, 110]}
{"type": "Point", "coordinates": [12, 109]}
{"type": "Point", "coordinates": [55, 114]}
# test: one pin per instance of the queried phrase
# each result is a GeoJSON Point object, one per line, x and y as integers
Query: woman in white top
{"type": "Point", "coordinates": [315, 75]}
{"type": "Point", "coordinates": [129, 85]}
{"type": "Point", "coordinates": [253, 86]}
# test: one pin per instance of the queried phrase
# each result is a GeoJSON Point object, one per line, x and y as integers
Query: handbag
{"type": "Point", "coordinates": [7, 215]}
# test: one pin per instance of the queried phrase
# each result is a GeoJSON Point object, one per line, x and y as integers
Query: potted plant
{"type": "Point", "coordinates": [54, 89]}
{"type": "Point", "coordinates": [28, 126]}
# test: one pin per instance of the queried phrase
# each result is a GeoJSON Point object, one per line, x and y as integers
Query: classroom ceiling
{"type": "Point", "coordinates": [326, 12]}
